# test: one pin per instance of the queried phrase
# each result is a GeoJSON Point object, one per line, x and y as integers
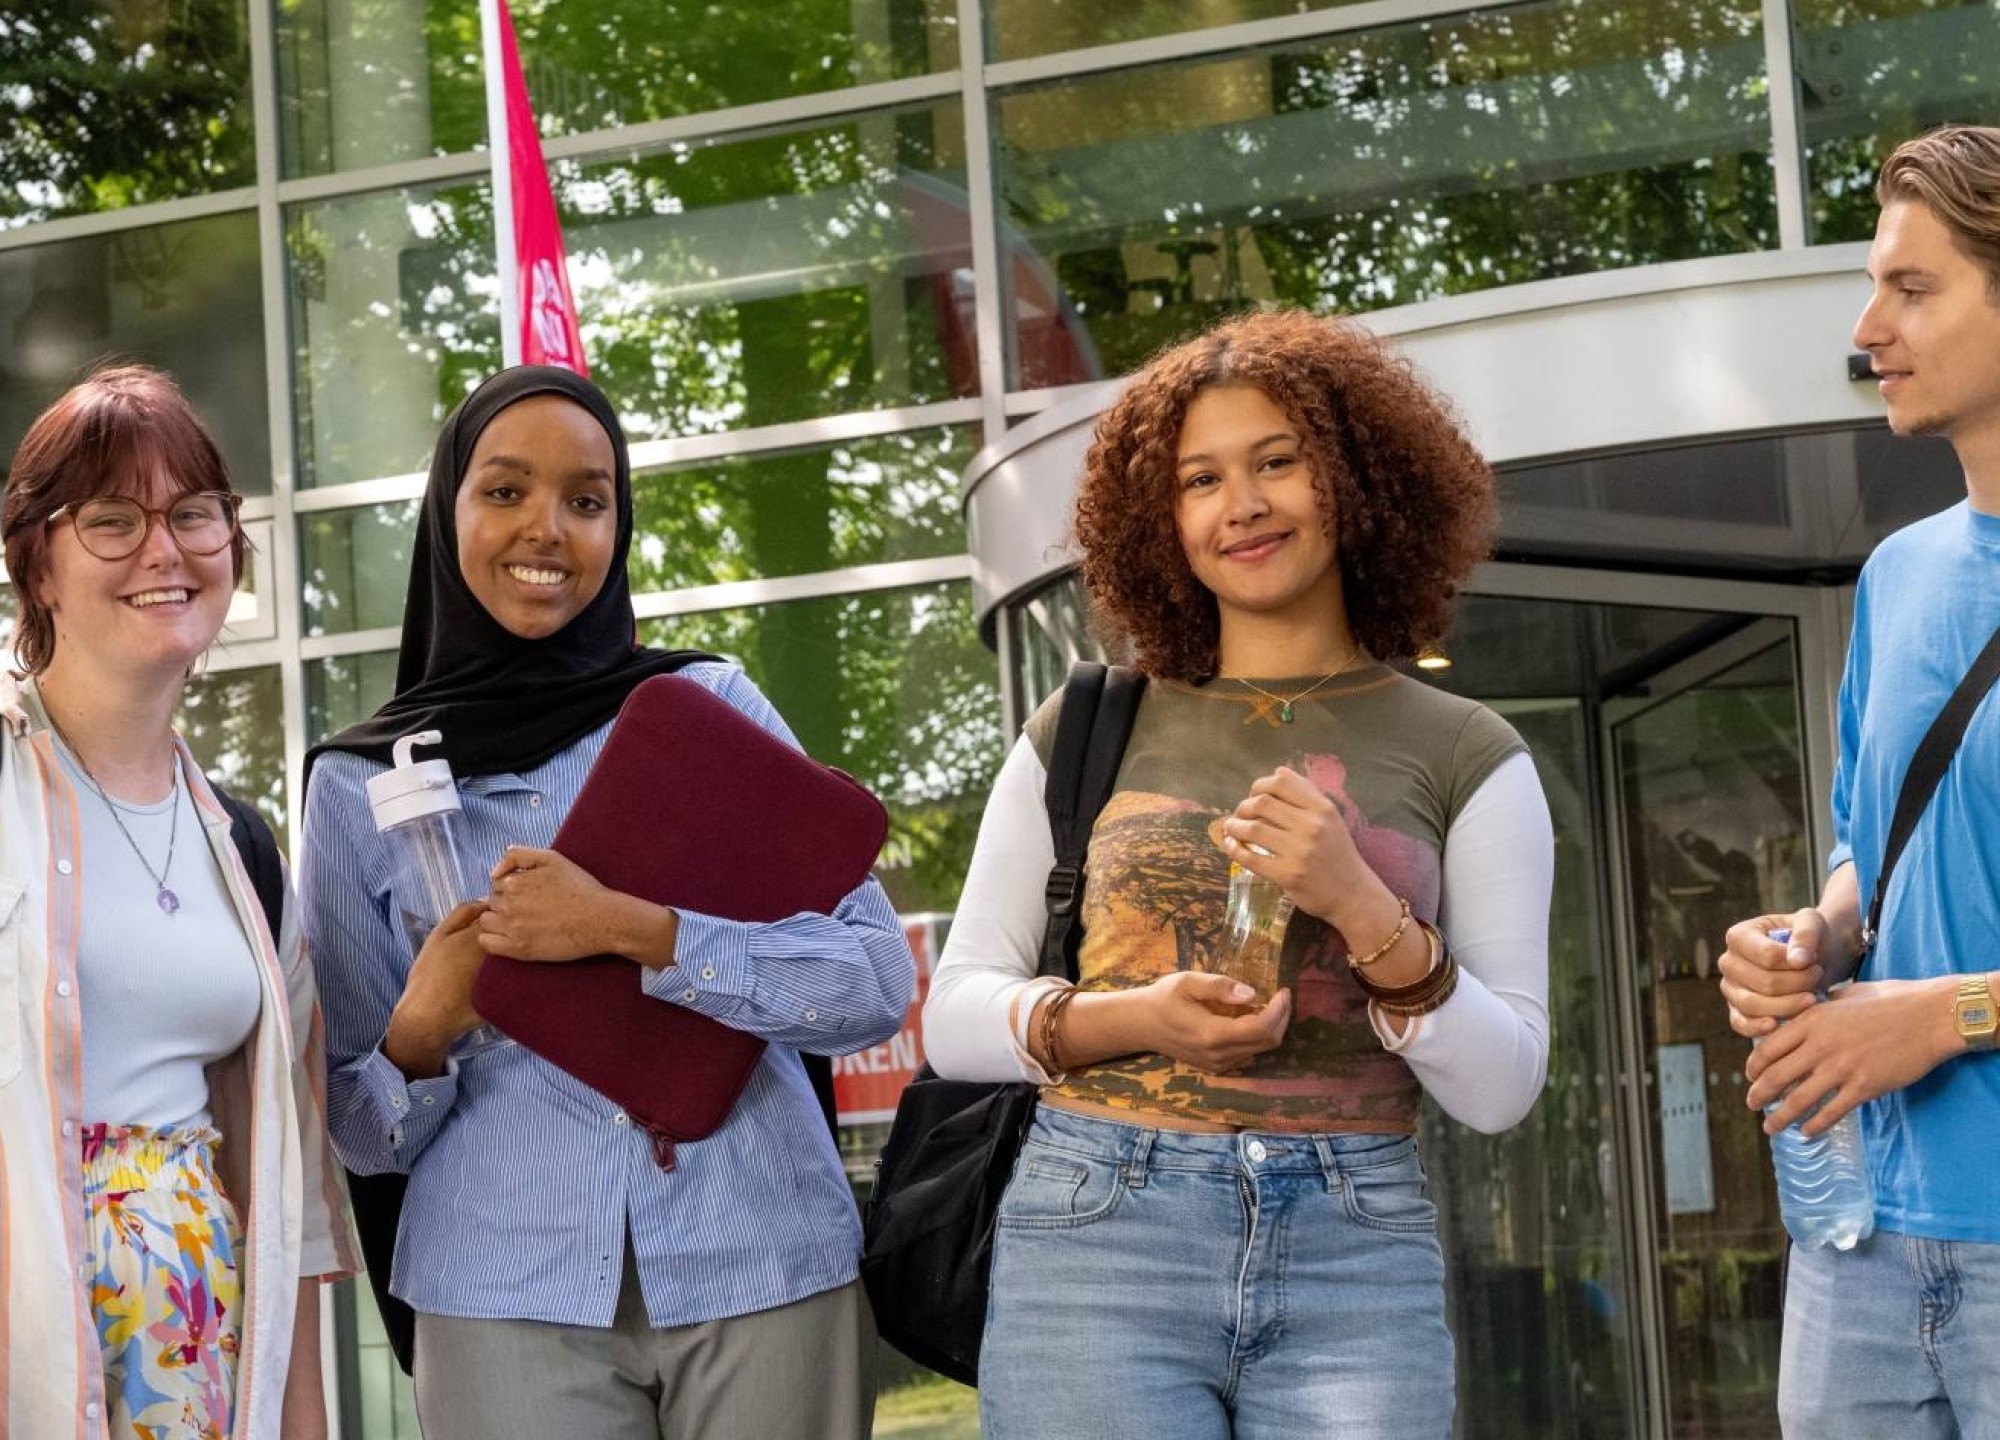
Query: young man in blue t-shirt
{"type": "Point", "coordinates": [1899, 1336]}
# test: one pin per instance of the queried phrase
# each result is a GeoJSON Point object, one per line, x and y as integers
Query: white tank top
{"type": "Point", "coordinates": [163, 995]}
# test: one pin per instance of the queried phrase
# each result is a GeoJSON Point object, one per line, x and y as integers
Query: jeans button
{"type": "Point", "coordinates": [1257, 1151]}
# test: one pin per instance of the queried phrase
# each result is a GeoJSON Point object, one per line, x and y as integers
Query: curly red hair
{"type": "Point", "coordinates": [1409, 498]}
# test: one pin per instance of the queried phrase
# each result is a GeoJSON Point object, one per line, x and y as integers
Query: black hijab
{"type": "Point", "coordinates": [501, 702]}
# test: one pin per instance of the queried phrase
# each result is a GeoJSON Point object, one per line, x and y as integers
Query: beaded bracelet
{"type": "Point", "coordinates": [1440, 953]}
{"type": "Point", "coordinates": [1422, 996]}
{"type": "Point", "coordinates": [1357, 962]}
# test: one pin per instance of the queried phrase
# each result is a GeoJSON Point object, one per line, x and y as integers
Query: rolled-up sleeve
{"type": "Point", "coordinates": [975, 1018]}
{"type": "Point", "coordinates": [829, 984]}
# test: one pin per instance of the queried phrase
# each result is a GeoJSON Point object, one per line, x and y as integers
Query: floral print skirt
{"type": "Point", "coordinates": [165, 1247]}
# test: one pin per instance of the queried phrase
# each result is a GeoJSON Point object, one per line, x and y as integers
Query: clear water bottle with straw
{"type": "Point", "coordinates": [416, 809]}
{"type": "Point", "coordinates": [1824, 1190]}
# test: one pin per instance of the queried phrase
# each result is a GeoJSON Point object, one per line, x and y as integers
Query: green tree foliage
{"type": "Point", "coordinates": [1394, 165]}
{"type": "Point", "coordinates": [121, 102]}
{"type": "Point", "coordinates": [1873, 73]}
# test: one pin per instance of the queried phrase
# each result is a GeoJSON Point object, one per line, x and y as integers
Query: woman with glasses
{"type": "Point", "coordinates": [166, 1185]}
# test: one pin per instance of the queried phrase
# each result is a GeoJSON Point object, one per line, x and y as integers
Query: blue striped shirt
{"type": "Point", "coordinates": [525, 1182]}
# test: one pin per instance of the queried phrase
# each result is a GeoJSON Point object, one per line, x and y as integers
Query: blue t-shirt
{"type": "Point", "coordinates": [1928, 600]}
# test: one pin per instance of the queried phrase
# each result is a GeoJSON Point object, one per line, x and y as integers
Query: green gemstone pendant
{"type": "Point", "coordinates": [1285, 712]}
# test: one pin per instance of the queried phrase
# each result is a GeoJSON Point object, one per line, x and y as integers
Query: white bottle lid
{"type": "Point", "coordinates": [412, 789]}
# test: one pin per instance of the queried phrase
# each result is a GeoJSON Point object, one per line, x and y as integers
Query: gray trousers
{"type": "Point", "coordinates": [804, 1371]}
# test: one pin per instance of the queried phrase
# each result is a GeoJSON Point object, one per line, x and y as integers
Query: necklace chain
{"type": "Point", "coordinates": [165, 898]}
{"type": "Point", "coordinates": [1285, 703]}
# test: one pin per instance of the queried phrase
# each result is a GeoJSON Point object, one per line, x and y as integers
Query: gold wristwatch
{"type": "Point", "coordinates": [1978, 1020]}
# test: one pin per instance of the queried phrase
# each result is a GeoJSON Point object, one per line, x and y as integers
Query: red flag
{"type": "Point", "coordinates": [549, 334]}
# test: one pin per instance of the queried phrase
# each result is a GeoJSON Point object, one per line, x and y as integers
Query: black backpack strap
{"type": "Point", "coordinates": [259, 848]}
{"type": "Point", "coordinates": [1099, 705]}
{"type": "Point", "coordinates": [1933, 757]}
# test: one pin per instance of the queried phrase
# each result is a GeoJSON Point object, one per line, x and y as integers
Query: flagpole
{"type": "Point", "coordinates": [503, 183]}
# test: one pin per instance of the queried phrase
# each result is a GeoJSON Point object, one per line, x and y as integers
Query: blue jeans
{"type": "Point", "coordinates": [1899, 1339]}
{"type": "Point", "coordinates": [1256, 1286]}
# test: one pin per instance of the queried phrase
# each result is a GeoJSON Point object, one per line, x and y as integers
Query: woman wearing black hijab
{"type": "Point", "coordinates": [564, 1283]}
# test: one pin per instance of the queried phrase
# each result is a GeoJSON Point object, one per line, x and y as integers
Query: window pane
{"type": "Point", "coordinates": [115, 104]}
{"type": "Point", "coordinates": [234, 722]}
{"type": "Point", "coordinates": [721, 286]}
{"type": "Point", "coordinates": [894, 688]}
{"type": "Point", "coordinates": [183, 297]}
{"type": "Point", "coordinates": [398, 79]}
{"type": "Point", "coordinates": [1016, 29]}
{"type": "Point", "coordinates": [356, 567]}
{"type": "Point", "coordinates": [345, 689]}
{"type": "Point", "coordinates": [867, 502]}
{"type": "Point", "coordinates": [1874, 73]}
{"type": "Point", "coordinates": [1380, 168]}
{"type": "Point", "coordinates": [395, 315]}
{"type": "Point", "coordinates": [777, 278]}
{"type": "Point", "coordinates": [826, 508]}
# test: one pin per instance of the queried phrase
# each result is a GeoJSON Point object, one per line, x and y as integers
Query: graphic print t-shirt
{"type": "Point", "coordinates": [1397, 757]}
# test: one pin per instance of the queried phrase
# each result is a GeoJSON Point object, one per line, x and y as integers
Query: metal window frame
{"type": "Point", "coordinates": [977, 83]}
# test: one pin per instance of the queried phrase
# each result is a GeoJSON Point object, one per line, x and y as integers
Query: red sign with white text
{"type": "Point", "coordinates": [868, 1083]}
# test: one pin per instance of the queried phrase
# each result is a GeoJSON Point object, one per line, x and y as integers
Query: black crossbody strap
{"type": "Point", "coordinates": [1927, 767]}
{"type": "Point", "coordinates": [1098, 706]}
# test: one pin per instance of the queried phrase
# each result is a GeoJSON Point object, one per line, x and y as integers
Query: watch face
{"type": "Point", "coordinates": [1977, 1016]}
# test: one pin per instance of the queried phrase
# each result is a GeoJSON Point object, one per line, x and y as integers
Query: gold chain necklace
{"type": "Point", "coordinates": [1285, 704]}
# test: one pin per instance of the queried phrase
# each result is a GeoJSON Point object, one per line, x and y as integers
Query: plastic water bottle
{"type": "Point", "coordinates": [1824, 1190]}
{"type": "Point", "coordinates": [1254, 924]}
{"type": "Point", "coordinates": [416, 809]}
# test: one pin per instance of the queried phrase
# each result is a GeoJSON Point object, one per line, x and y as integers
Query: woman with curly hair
{"type": "Point", "coordinates": [1218, 1225]}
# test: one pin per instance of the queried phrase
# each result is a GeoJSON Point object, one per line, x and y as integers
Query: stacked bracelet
{"type": "Point", "coordinates": [1357, 962]}
{"type": "Point", "coordinates": [1420, 997]}
{"type": "Point", "coordinates": [1051, 1012]}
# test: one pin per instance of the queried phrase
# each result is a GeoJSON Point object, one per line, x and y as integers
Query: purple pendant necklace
{"type": "Point", "coordinates": [164, 897]}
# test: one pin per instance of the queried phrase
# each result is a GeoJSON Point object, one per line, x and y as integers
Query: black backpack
{"type": "Point", "coordinates": [928, 1247]}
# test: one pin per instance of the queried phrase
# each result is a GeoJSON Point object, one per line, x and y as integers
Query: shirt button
{"type": "Point", "coordinates": [63, 867]}
{"type": "Point", "coordinates": [535, 800]}
{"type": "Point", "coordinates": [90, 1410]}
{"type": "Point", "coordinates": [618, 1117]}
{"type": "Point", "coordinates": [708, 972]}
{"type": "Point", "coordinates": [1257, 1150]}
{"type": "Point", "coordinates": [62, 987]}
{"type": "Point", "coordinates": [812, 1015]}
{"type": "Point", "coordinates": [397, 1103]}
{"type": "Point", "coordinates": [688, 994]}
{"type": "Point", "coordinates": [68, 1129]}
{"type": "Point", "coordinates": [430, 1099]}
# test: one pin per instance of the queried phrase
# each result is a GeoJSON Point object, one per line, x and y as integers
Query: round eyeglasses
{"type": "Point", "coordinates": [113, 527]}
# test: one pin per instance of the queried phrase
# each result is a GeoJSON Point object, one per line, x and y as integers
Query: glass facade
{"type": "Point", "coordinates": [1383, 166]}
{"type": "Point", "coordinates": [824, 252]}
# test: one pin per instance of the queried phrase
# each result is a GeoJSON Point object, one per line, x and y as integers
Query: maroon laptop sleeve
{"type": "Point", "coordinates": [691, 804]}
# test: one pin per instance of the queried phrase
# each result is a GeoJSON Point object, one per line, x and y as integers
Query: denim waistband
{"type": "Point", "coordinates": [1138, 1149]}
